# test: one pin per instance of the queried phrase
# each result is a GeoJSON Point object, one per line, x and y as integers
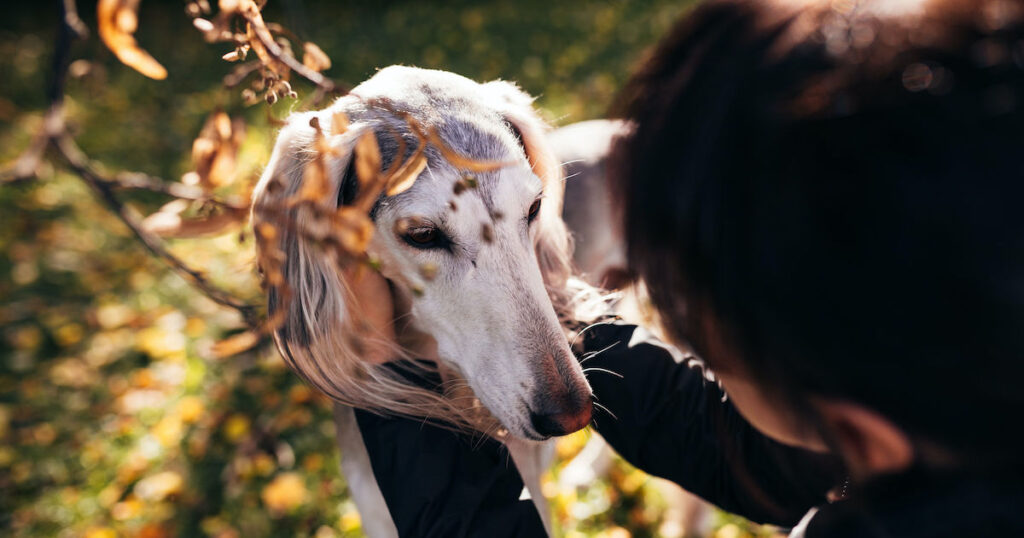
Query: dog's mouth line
{"type": "Point", "coordinates": [532, 437]}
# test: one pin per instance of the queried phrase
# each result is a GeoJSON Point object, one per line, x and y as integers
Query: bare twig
{"type": "Point", "coordinates": [143, 182]}
{"type": "Point", "coordinates": [251, 13]}
{"type": "Point", "coordinates": [104, 188]}
{"type": "Point", "coordinates": [54, 134]}
{"type": "Point", "coordinates": [26, 166]}
{"type": "Point", "coordinates": [72, 20]}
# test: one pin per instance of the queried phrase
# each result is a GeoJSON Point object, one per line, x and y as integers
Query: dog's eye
{"type": "Point", "coordinates": [534, 210]}
{"type": "Point", "coordinates": [424, 237]}
{"type": "Point", "coordinates": [421, 233]}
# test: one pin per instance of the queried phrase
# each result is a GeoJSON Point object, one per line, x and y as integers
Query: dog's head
{"type": "Point", "coordinates": [479, 260]}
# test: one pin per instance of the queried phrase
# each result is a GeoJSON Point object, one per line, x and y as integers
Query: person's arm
{"type": "Point", "coordinates": [667, 419]}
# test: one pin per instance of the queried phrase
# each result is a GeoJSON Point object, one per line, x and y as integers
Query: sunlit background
{"type": "Point", "coordinates": [115, 417]}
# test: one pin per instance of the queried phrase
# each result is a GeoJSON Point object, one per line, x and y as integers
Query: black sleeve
{"type": "Point", "coordinates": [437, 483]}
{"type": "Point", "coordinates": [667, 419]}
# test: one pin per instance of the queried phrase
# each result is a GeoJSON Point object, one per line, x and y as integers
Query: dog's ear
{"type": "Point", "coordinates": [307, 296]}
{"type": "Point", "coordinates": [553, 242]}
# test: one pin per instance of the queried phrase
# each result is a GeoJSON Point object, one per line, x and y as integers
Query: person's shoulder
{"type": "Point", "coordinates": [615, 335]}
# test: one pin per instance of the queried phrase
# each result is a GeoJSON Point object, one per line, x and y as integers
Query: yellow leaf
{"type": "Point", "coordinates": [117, 21]}
{"type": "Point", "coordinates": [190, 408]}
{"type": "Point", "coordinates": [236, 427]}
{"type": "Point", "coordinates": [350, 521]}
{"type": "Point", "coordinates": [263, 464]}
{"type": "Point", "coordinates": [168, 431]}
{"type": "Point", "coordinates": [286, 492]}
{"type": "Point", "coordinates": [126, 509]}
{"type": "Point", "coordinates": [101, 532]}
{"type": "Point", "coordinates": [159, 486]}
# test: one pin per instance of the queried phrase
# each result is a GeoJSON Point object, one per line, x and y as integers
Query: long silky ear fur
{"type": "Point", "coordinates": [573, 299]}
{"type": "Point", "coordinates": [316, 331]}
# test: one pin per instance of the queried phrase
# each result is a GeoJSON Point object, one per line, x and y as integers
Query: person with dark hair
{"type": "Point", "coordinates": [823, 199]}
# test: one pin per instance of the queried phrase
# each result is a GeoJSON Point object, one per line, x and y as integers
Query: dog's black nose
{"type": "Point", "coordinates": [562, 423]}
{"type": "Point", "coordinates": [547, 425]}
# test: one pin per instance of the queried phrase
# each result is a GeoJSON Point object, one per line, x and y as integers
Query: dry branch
{"type": "Point", "coordinates": [104, 188]}
{"type": "Point", "coordinates": [54, 135]}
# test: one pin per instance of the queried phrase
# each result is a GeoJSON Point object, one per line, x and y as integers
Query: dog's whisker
{"type": "Point", "coordinates": [587, 328]}
{"type": "Point", "coordinates": [591, 354]}
{"type": "Point", "coordinates": [604, 370]}
{"type": "Point", "coordinates": [605, 409]}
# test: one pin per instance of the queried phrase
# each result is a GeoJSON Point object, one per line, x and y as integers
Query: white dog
{"type": "Point", "coordinates": [498, 295]}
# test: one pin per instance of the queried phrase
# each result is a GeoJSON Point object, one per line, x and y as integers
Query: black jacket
{"type": "Point", "coordinates": [673, 423]}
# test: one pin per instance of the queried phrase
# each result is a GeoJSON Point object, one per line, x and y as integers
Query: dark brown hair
{"type": "Point", "coordinates": [832, 193]}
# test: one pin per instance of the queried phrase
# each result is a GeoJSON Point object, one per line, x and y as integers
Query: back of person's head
{"type": "Point", "coordinates": [828, 196]}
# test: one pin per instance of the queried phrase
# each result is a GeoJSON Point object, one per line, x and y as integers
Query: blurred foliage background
{"type": "Point", "coordinates": [115, 419]}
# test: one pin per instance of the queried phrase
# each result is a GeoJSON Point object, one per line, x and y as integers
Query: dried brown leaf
{"type": "Point", "coordinates": [368, 162]}
{"type": "Point", "coordinates": [315, 185]}
{"type": "Point", "coordinates": [339, 123]}
{"type": "Point", "coordinates": [314, 57]}
{"type": "Point", "coordinates": [354, 230]}
{"type": "Point", "coordinates": [117, 21]}
{"type": "Point", "coordinates": [170, 224]}
{"type": "Point", "coordinates": [236, 344]}
{"type": "Point", "coordinates": [406, 176]}
{"type": "Point", "coordinates": [266, 231]}
{"type": "Point", "coordinates": [215, 150]}
{"type": "Point", "coordinates": [203, 25]}
{"type": "Point", "coordinates": [460, 161]}
{"type": "Point", "coordinates": [367, 158]}
{"type": "Point", "coordinates": [228, 6]}
{"type": "Point", "coordinates": [399, 152]}
{"type": "Point", "coordinates": [261, 52]}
